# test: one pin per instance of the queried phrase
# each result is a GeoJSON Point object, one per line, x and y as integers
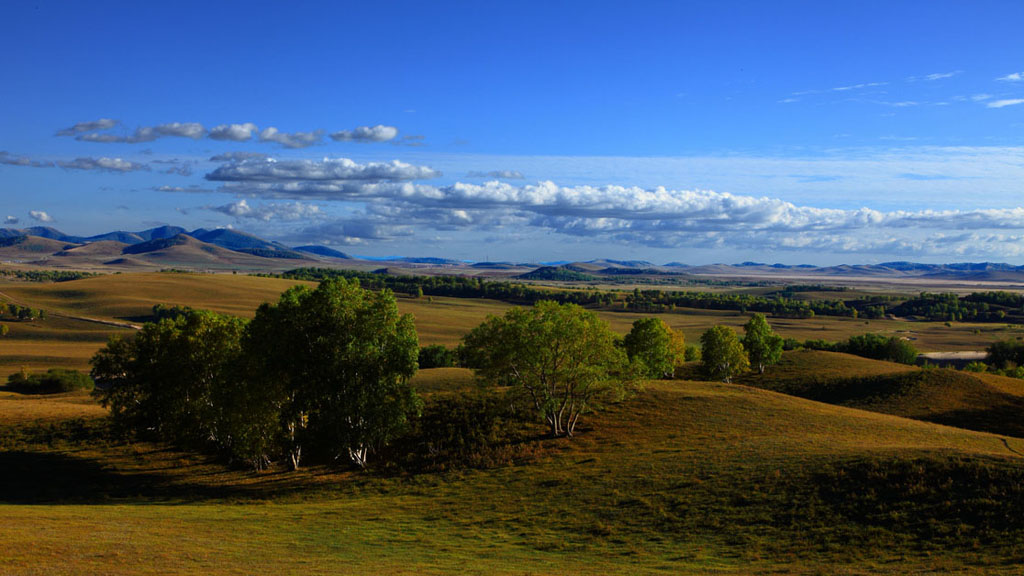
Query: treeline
{"type": "Point", "coordinates": [784, 303]}
{"type": "Point", "coordinates": [46, 275]}
{"type": "Point", "coordinates": [874, 346]}
{"type": "Point", "coordinates": [53, 381]}
{"type": "Point", "coordinates": [976, 307]}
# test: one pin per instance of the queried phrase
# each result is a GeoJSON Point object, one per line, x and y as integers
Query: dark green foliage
{"type": "Point", "coordinates": [335, 363]}
{"type": "Point", "coordinates": [46, 275]}
{"type": "Point", "coordinates": [162, 312]}
{"type": "Point", "coordinates": [1006, 354]}
{"type": "Point", "coordinates": [436, 356]}
{"type": "Point", "coordinates": [880, 347]}
{"type": "Point", "coordinates": [466, 428]}
{"type": "Point", "coordinates": [166, 381]}
{"type": "Point", "coordinates": [558, 274]}
{"type": "Point", "coordinates": [53, 381]}
{"type": "Point", "coordinates": [327, 368]}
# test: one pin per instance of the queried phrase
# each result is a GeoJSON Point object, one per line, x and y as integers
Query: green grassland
{"type": "Point", "coordinates": [827, 464]}
{"type": "Point", "coordinates": [685, 477]}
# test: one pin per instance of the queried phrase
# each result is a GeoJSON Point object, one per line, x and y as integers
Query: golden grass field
{"type": "Point", "coordinates": [683, 477]}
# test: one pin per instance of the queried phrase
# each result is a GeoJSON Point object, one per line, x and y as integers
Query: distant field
{"type": "Point", "coordinates": [129, 298]}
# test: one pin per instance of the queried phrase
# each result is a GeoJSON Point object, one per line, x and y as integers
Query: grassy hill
{"type": "Point", "coordinates": [963, 399]}
{"type": "Point", "coordinates": [686, 477]}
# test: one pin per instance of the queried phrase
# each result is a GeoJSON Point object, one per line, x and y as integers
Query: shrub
{"type": "Point", "coordinates": [53, 381]}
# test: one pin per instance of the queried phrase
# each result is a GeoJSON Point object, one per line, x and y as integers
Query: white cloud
{"type": "Point", "coordinates": [291, 140]}
{"type": "Point", "coordinates": [1015, 77]}
{"type": "Point", "coordinates": [11, 220]}
{"type": "Point", "coordinates": [81, 127]}
{"type": "Point", "coordinates": [378, 133]}
{"type": "Point", "coordinates": [336, 178]}
{"type": "Point", "coordinates": [292, 211]}
{"type": "Point", "coordinates": [233, 132]}
{"type": "Point", "coordinates": [192, 130]}
{"type": "Point", "coordinates": [102, 164]}
{"type": "Point", "coordinates": [1005, 103]}
{"type": "Point", "coordinates": [40, 216]}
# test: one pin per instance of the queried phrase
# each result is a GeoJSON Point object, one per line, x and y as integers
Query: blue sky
{"type": "Point", "coordinates": [796, 132]}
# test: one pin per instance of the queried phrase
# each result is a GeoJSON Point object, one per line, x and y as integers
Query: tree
{"type": "Point", "coordinates": [763, 346]}
{"type": "Point", "coordinates": [880, 347]}
{"type": "Point", "coordinates": [722, 355]}
{"type": "Point", "coordinates": [654, 347]}
{"type": "Point", "coordinates": [165, 379]}
{"type": "Point", "coordinates": [338, 360]}
{"type": "Point", "coordinates": [562, 357]}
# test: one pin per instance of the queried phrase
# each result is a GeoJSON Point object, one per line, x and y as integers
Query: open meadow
{"type": "Point", "coordinates": [826, 464]}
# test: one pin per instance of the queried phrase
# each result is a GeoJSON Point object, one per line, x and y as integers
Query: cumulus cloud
{"type": "Point", "coordinates": [6, 158]}
{"type": "Point", "coordinates": [11, 220]}
{"type": "Point", "coordinates": [102, 164]}
{"type": "Point", "coordinates": [336, 178]}
{"type": "Point", "coordinates": [233, 132]}
{"type": "Point", "coordinates": [93, 126]}
{"type": "Point", "coordinates": [293, 139]}
{"type": "Point", "coordinates": [236, 156]}
{"type": "Point", "coordinates": [266, 212]}
{"type": "Point", "coordinates": [378, 133]}
{"type": "Point", "coordinates": [40, 216]}
{"type": "Point", "coordinates": [1005, 103]}
{"type": "Point", "coordinates": [192, 130]}
{"type": "Point", "coordinates": [1015, 77]}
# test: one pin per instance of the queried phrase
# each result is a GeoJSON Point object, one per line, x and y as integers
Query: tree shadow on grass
{"type": "Point", "coordinates": [28, 477]}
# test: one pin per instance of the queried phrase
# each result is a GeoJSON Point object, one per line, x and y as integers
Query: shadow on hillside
{"type": "Point", "coordinates": [1004, 417]}
{"type": "Point", "coordinates": [54, 478]}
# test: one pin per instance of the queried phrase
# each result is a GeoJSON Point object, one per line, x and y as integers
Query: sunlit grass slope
{"type": "Point", "coordinates": [685, 477]}
{"type": "Point", "coordinates": [967, 400]}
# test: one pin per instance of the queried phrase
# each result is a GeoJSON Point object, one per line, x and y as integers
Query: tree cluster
{"type": "Point", "coordinates": [323, 371]}
{"type": "Point", "coordinates": [13, 311]}
{"type": "Point", "coordinates": [724, 355]}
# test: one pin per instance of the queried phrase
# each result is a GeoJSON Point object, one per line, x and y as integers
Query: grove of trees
{"type": "Point", "coordinates": [325, 369]}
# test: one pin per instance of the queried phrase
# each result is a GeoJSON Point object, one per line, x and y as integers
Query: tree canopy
{"type": "Point", "coordinates": [722, 355]}
{"type": "Point", "coordinates": [763, 346]}
{"type": "Point", "coordinates": [654, 348]}
{"type": "Point", "coordinates": [562, 357]}
{"type": "Point", "coordinates": [328, 367]}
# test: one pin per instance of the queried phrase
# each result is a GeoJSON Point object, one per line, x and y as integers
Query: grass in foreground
{"type": "Point", "coordinates": [687, 477]}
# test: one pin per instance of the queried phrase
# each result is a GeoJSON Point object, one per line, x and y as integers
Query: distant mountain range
{"type": "Point", "coordinates": [226, 249]}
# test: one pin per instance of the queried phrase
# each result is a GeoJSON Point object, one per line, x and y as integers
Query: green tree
{"type": "Point", "coordinates": [763, 346]}
{"type": "Point", "coordinates": [654, 347]}
{"type": "Point", "coordinates": [561, 356]}
{"type": "Point", "coordinates": [722, 354]}
{"type": "Point", "coordinates": [165, 379]}
{"type": "Point", "coordinates": [337, 361]}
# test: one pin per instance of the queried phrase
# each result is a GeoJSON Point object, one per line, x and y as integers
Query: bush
{"type": "Point", "coordinates": [53, 381]}
{"type": "Point", "coordinates": [879, 347]}
{"type": "Point", "coordinates": [436, 356]}
{"type": "Point", "coordinates": [465, 429]}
